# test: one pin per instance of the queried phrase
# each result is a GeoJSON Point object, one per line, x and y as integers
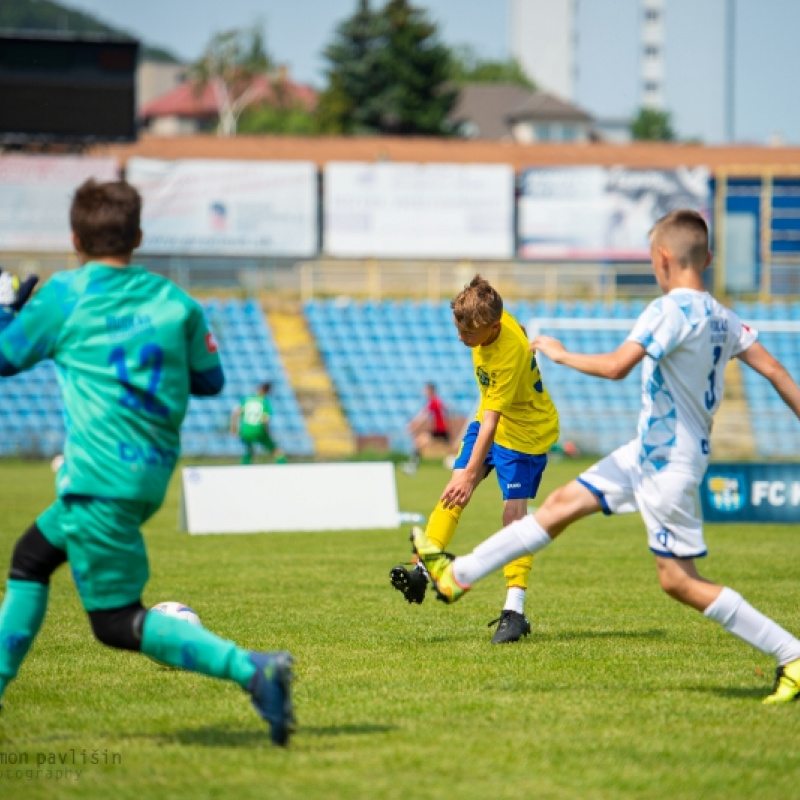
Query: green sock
{"type": "Point", "coordinates": [21, 616]}
{"type": "Point", "coordinates": [181, 644]}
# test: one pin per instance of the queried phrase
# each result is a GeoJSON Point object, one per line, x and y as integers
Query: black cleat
{"type": "Point", "coordinates": [411, 582]}
{"type": "Point", "coordinates": [513, 626]}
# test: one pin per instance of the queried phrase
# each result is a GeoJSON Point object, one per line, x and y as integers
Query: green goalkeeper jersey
{"type": "Point", "coordinates": [254, 413]}
{"type": "Point", "coordinates": [128, 346]}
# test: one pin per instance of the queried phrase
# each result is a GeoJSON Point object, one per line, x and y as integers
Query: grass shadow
{"type": "Point", "coordinates": [214, 736]}
{"type": "Point", "coordinates": [346, 730]}
{"type": "Point", "coordinates": [208, 736]}
{"type": "Point", "coordinates": [732, 692]}
{"type": "Point", "coordinates": [651, 633]}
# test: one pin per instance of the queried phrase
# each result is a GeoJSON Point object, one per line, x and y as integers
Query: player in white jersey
{"type": "Point", "coordinates": [660, 470]}
{"type": "Point", "coordinates": [685, 339]}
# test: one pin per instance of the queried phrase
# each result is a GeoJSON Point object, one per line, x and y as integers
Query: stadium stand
{"type": "Point", "coordinates": [31, 421]}
{"type": "Point", "coordinates": [380, 355]}
{"type": "Point", "coordinates": [775, 428]}
{"type": "Point", "coordinates": [249, 357]}
{"type": "Point", "coordinates": [32, 424]}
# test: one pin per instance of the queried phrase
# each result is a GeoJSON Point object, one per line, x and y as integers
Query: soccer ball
{"type": "Point", "coordinates": [179, 611]}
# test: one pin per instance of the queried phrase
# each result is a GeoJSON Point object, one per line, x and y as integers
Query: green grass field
{"type": "Point", "coordinates": [618, 693]}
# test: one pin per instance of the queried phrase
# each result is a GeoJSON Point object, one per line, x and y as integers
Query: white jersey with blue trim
{"type": "Point", "coordinates": [689, 338]}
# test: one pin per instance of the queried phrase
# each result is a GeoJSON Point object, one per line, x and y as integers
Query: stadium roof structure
{"type": "Point", "coordinates": [734, 160]}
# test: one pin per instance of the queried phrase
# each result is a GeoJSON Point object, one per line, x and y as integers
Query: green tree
{"type": "Point", "coordinates": [652, 125]}
{"type": "Point", "coordinates": [355, 77]}
{"type": "Point", "coordinates": [231, 62]}
{"type": "Point", "coordinates": [293, 120]}
{"type": "Point", "coordinates": [388, 73]}
{"type": "Point", "coordinates": [420, 98]}
{"type": "Point", "coordinates": [467, 67]}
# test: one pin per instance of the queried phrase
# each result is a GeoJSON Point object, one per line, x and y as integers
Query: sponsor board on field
{"type": "Point", "coordinates": [751, 493]}
{"type": "Point", "coordinates": [288, 497]}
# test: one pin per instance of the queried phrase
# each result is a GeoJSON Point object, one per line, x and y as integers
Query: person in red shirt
{"type": "Point", "coordinates": [429, 424]}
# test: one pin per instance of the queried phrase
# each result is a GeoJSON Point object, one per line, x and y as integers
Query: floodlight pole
{"type": "Point", "coordinates": [730, 70]}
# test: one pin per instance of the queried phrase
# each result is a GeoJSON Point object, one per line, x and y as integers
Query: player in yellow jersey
{"type": "Point", "coordinates": [514, 428]}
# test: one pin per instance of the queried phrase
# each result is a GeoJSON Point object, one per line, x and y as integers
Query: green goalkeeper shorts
{"type": "Point", "coordinates": [104, 546]}
{"type": "Point", "coordinates": [259, 436]}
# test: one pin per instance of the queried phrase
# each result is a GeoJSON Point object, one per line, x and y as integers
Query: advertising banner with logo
{"type": "Point", "coordinates": [234, 208]}
{"type": "Point", "coordinates": [418, 210]}
{"type": "Point", "coordinates": [751, 493]}
{"type": "Point", "coordinates": [594, 213]}
{"type": "Point", "coordinates": [35, 196]}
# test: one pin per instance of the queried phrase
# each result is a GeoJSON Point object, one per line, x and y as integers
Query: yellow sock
{"type": "Point", "coordinates": [516, 572]}
{"type": "Point", "coordinates": [442, 525]}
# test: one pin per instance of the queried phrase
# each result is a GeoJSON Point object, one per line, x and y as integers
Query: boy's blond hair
{"type": "Point", "coordinates": [685, 233]}
{"type": "Point", "coordinates": [477, 305]}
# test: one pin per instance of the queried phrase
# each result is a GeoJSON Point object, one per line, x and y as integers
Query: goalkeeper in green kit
{"type": "Point", "coordinates": [130, 347]}
{"type": "Point", "coordinates": [250, 420]}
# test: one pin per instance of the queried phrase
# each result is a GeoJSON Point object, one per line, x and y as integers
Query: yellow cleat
{"type": "Point", "coordinates": [439, 565]}
{"type": "Point", "coordinates": [787, 684]}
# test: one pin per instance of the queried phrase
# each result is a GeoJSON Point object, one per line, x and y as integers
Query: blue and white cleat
{"type": "Point", "coordinates": [270, 692]}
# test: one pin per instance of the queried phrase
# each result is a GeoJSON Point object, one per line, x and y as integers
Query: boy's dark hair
{"type": "Point", "coordinates": [692, 230]}
{"type": "Point", "coordinates": [106, 218]}
{"type": "Point", "coordinates": [477, 305]}
{"type": "Point", "coordinates": [265, 387]}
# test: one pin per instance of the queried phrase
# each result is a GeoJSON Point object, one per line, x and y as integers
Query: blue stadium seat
{"type": "Point", "coordinates": [249, 357]}
{"type": "Point", "coordinates": [410, 342]}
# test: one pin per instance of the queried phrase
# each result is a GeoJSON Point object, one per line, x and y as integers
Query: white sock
{"type": "Point", "coordinates": [738, 617]}
{"type": "Point", "coordinates": [517, 539]}
{"type": "Point", "coordinates": [515, 599]}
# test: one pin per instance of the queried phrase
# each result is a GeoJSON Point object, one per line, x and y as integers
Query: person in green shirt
{"type": "Point", "coordinates": [129, 347]}
{"type": "Point", "coordinates": [250, 421]}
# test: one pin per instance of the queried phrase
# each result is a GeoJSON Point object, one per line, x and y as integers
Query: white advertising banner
{"type": "Point", "coordinates": [234, 208]}
{"type": "Point", "coordinates": [602, 214]}
{"type": "Point", "coordinates": [418, 210]}
{"type": "Point", "coordinates": [35, 196]}
{"type": "Point", "coordinates": [289, 497]}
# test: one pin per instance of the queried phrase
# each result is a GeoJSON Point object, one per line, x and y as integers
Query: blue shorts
{"type": "Point", "coordinates": [518, 474]}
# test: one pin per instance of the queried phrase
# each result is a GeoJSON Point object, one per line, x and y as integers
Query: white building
{"type": "Point", "coordinates": [544, 41]}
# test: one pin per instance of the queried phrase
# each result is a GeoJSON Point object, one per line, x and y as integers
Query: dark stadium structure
{"type": "Point", "coordinates": [67, 88]}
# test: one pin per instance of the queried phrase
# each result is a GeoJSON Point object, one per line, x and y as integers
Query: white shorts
{"type": "Point", "coordinates": [668, 500]}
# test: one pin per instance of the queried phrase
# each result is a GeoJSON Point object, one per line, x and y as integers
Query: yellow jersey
{"type": "Point", "coordinates": [511, 384]}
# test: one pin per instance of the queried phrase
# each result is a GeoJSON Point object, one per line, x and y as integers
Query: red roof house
{"type": "Point", "coordinates": [185, 110]}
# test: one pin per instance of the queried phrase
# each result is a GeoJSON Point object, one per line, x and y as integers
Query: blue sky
{"type": "Point", "coordinates": [767, 47]}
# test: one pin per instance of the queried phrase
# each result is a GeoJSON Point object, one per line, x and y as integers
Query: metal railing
{"type": "Point", "coordinates": [375, 279]}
